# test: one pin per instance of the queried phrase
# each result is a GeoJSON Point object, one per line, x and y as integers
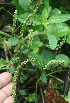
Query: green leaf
{"type": "Point", "coordinates": [64, 59]}
{"type": "Point", "coordinates": [47, 6]}
{"type": "Point", "coordinates": [36, 43]}
{"type": "Point", "coordinates": [38, 59]}
{"type": "Point", "coordinates": [25, 4]}
{"type": "Point", "coordinates": [14, 60]}
{"type": "Point", "coordinates": [35, 20]}
{"type": "Point", "coordinates": [36, 49]}
{"type": "Point", "coordinates": [25, 51]}
{"type": "Point", "coordinates": [31, 97]}
{"type": "Point", "coordinates": [23, 77]}
{"type": "Point", "coordinates": [1, 40]}
{"type": "Point", "coordinates": [46, 12]}
{"type": "Point", "coordinates": [11, 69]}
{"type": "Point", "coordinates": [47, 56]}
{"type": "Point", "coordinates": [43, 77]}
{"type": "Point", "coordinates": [56, 11]}
{"type": "Point", "coordinates": [67, 98]}
{"type": "Point", "coordinates": [38, 27]}
{"type": "Point", "coordinates": [44, 16]}
{"type": "Point", "coordinates": [52, 41]}
{"type": "Point", "coordinates": [18, 6]}
{"type": "Point", "coordinates": [2, 62]}
{"type": "Point", "coordinates": [13, 41]}
{"type": "Point", "coordinates": [22, 17]}
{"type": "Point", "coordinates": [68, 39]}
{"type": "Point", "coordinates": [59, 18]}
{"type": "Point", "coordinates": [23, 92]}
{"type": "Point", "coordinates": [59, 30]}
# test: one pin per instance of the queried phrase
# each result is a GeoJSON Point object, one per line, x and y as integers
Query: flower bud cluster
{"type": "Point", "coordinates": [53, 62]}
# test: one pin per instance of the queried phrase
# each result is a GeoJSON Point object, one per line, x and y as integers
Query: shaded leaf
{"type": "Point", "coordinates": [38, 59]}
{"type": "Point", "coordinates": [18, 6]}
{"type": "Point", "coordinates": [43, 77]}
{"type": "Point", "coordinates": [13, 41]}
{"type": "Point", "coordinates": [11, 69]}
{"type": "Point", "coordinates": [24, 4]}
{"type": "Point", "coordinates": [2, 62]}
{"type": "Point", "coordinates": [47, 56]}
{"type": "Point", "coordinates": [23, 92]}
{"type": "Point", "coordinates": [64, 59]}
{"type": "Point", "coordinates": [14, 60]}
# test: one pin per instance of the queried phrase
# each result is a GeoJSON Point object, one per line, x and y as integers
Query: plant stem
{"type": "Point", "coordinates": [42, 95]}
{"type": "Point", "coordinates": [36, 92]}
{"type": "Point", "coordinates": [53, 72]}
{"type": "Point", "coordinates": [8, 11]}
{"type": "Point", "coordinates": [5, 34]}
{"type": "Point", "coordinates": [57, 79]}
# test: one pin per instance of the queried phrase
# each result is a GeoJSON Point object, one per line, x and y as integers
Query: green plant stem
{"type": "Point", "coordinates": [36, 92]}
{"type": "Point", "coordinates": [8, 12]}
{"type": "Point", "coordinates": [50, 74]}
{"type": "Point", "coordinates": [57, 79]}
{"type": "Point", "coordinates": [17, 28]}
{"type": "Point", "coordinates": [54, 72]}
{"type": "Point", "coordinates": [42, 96]}
{"type": "Point", "coordinates": [5, 34]}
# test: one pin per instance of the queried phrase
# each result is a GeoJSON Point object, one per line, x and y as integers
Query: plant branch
{"type": "Point", "coordinates": [5, 34]}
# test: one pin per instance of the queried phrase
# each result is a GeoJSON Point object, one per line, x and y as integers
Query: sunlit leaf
{"type": "Point", "coordinates": [56, 11]}
{"type": "Point", "coordinates": [52, 41]}
{"type": "Point", "coordinates": [59, 30]}
{"type": "Point", "coordinates": [31, 97]}
{"type": "Point", "coordinates": [47, 6]}
{"type": "Point", "coordinates": [35, 20]}
{"type": "Point", "coordinates": [44, 16]}
{"type": "Point", "coordinates": [22, 17]}
{"type": "Point", "coordinates": [68, 39]}
{"type": "Point", "coordinates": [59, 18]}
